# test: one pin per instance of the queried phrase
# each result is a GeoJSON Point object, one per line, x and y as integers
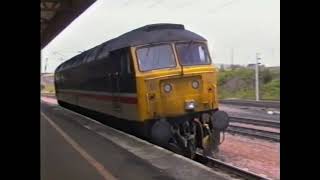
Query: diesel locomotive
{"type": "Point", "coordinates": [160, 77]}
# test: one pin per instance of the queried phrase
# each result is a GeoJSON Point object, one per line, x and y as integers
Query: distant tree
{"type": "Point", "coordinates": [266, 76]}
{"type": "Point", "coordinates": [222, 68]}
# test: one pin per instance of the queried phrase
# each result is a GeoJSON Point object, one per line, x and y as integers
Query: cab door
{"type": "Point", "coordinates": [114, 80]}
{"type": "Point", "coordinates": [123, 83]}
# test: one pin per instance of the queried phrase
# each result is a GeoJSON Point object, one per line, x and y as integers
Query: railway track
{"type": "Point", "coordinates": [48, 94]}
{"type": "Point", "coordinates": [255, 132]}
{"type": "Point", "coordinates": [257, 122]}
{"type": "Point", "coordinates": [266, 104]}
{"type": "Point", "coordinates": [228, 168]}
{"type": "Point", "coordinates": [258, 133]}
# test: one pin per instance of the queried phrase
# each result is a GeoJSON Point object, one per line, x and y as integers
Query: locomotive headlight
{"type": "Point", "coordinates": [189, 105]}
{"type": "Point", "coordinates": [167, 88]}
{"type": "Point", "coordinates": [195, 84]}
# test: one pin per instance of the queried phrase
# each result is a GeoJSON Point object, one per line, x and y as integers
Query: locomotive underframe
{"type": "Point", "coordinates": [184, 134]}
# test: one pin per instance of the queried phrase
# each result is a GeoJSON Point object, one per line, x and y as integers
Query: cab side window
{"type": "Point", "coordinates": [126, 64]}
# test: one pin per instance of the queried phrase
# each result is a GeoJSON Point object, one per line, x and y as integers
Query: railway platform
{"type": "Point", "coordinates": [76, 147]}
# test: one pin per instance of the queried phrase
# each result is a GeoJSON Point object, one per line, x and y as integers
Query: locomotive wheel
{"type": "Point", "coordinates": [191, 149]}
{"type": "Point", "coordinates": [216, 141]}
{"type": "Point", "coordinates": [188, 142]}
{"type": "Point", "coordinates": [175, 148]}
{"type": "Point", "coordinates": [161, 133]}
{"type": "Point", "coordinates": [60, 103]}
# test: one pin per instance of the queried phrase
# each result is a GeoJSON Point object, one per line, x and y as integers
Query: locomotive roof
{"type": "Point", "coordinates": [148, 34]}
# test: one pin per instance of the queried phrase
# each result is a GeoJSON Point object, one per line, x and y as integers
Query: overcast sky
{"type": "Point", "coordinates": [247, 26]}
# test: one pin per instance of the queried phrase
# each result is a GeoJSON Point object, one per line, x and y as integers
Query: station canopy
{"type": "Point", "coordinates": [57, 15]}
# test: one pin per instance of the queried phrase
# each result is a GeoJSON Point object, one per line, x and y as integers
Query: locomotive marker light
{"type": "Point", "coordinates": [167, 88]}
{"type": "Point", "coordinates": [195, 84]}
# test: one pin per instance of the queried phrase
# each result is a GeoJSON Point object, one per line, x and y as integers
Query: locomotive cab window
{"type": "Point", "coordinates": [193, 53]}
{"type": "Point", "coordinates": [156, 57]}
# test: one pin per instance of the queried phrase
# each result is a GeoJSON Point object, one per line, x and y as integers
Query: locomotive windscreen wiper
{"type": "Point", "coordinates": [189, 44]}
{"type": "Point", "coordinates": [188, 47]}
{"type": "Point", "coordinates": [148, 48]}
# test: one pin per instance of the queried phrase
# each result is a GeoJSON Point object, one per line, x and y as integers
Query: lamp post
{"type": "Point", "coordinates": [45, 65]}
{"type": "Point", "coordinates": [258, 58]}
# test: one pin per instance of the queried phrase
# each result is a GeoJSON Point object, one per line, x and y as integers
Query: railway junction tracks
{"type": "Point", "coordinates": [273, 135]}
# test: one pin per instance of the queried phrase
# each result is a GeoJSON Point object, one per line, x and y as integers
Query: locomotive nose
{"type": "Point", "coordinates": [220, 120]}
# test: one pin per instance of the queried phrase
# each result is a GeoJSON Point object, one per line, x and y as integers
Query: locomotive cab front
{"type": "Point", "coordinates": [176, 86]}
